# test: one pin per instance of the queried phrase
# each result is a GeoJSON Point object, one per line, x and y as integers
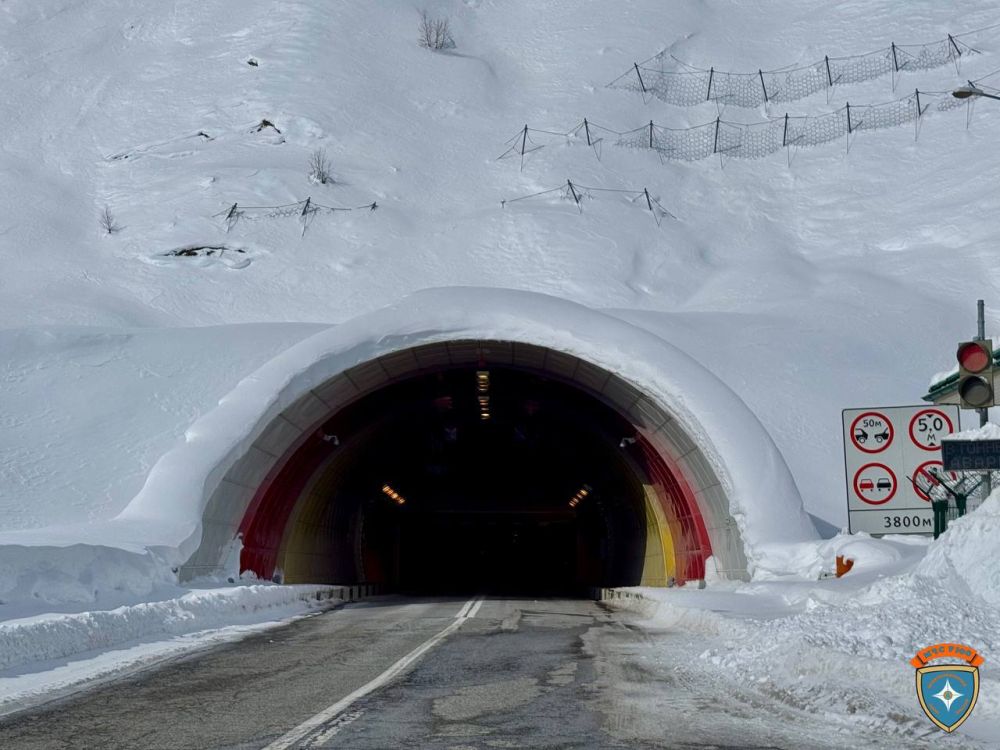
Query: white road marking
{"type": "Point", "coordinates": [464, 611]}
{"type": "Point", "coordinates": [475, 608]}
{"type": "Point", "coordinates": [331, 729]}
{"type": "Point", "coordinates": [324, 717]}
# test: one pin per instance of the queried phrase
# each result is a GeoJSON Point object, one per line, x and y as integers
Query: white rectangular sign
{"type": "Point", "coordinates": [890, 457]}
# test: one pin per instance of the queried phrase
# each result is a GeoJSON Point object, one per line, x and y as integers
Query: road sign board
{"type": "Point", "coordinates": [971, 455]}
{"type": "Point", "coordinates": [890, 455]}
{"type": "Point", "coordinates": [928, 426]}
{"type": "Point", "coordinates": [927, 476]}
{"type": "Point", "coordinates": [871, 432]}
{"type": "Point", "coordinates": [875, 484]}
{"type": "Point", "coordinates": [913, 521]}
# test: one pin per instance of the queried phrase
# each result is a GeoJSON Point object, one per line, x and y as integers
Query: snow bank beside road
{"type": "Point", "coordinates": [965, 558]}
{"type": "Point", "coordinates": [811, 560]}
{"type": "Point", "coordinates": [58, 636]}
{"type": "Point", "coordinates": [843, 645]}
{"type": "Point", "coordinates": [886, 608]}
{"type": "Point", "coordinates": [46, 578]}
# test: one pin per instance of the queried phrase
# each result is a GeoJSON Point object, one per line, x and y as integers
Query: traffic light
{"type": "Point", "coordinates": [975, 374]}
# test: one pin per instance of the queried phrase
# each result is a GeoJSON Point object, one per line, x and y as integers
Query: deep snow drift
{"type": "Point", "coordinates": [841, 647]}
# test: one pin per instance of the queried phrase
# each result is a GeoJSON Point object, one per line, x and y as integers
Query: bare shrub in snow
{"type": "Point", "coordinates": [107, 221]}
{"type": "Point", "coordinates": [319, 167]}
{"type": "Point", "coordinates": [435, 33]}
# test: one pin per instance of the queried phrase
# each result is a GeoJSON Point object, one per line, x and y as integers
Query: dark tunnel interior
{"type": "Point", "coordinates": [484, 480]}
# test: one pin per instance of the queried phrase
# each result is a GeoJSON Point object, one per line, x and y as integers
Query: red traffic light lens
{"type": "Point", "coordinates": [973, 357]}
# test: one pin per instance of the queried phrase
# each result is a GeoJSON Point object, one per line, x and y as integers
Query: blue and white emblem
{"type": "Point", "coordinates": [948, 693]}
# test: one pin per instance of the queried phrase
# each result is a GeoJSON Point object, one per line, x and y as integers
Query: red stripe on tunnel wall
{"type": "Point", "coordinates": [267, 517]}
{"type": "Point", "coordinates": [693, 547]}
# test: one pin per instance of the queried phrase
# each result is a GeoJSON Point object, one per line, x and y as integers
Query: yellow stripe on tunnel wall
{"type": "Point", "coordinates": [305, 554]}
{"type": "Point", "coordinates": [659, 567]}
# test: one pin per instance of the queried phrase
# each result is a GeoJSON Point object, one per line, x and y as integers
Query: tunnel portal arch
{"type": "Point", "coordinates": [278, 495]}
{"type": "Point", "coordinates": [714, 488]}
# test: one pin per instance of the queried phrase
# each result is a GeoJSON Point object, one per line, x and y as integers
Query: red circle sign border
{"type": "Point", "coordinates": [892, 432]}
{"type": "Point", "coordinates": [951, 427]}
{"type": "Point", "coordinates": [857, 491]}
{"type": "Point", "coordinates": [916, 488]}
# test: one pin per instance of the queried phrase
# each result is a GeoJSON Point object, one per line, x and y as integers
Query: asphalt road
{"type": "Point", "coordinates": [448, 674]}
{"type": "Point", "coordinates": [513, 674]}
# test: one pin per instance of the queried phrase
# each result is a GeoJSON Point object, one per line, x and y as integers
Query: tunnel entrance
{"type": "Point", "coordinates": [474, 479]}
{"type": "Point", "coordinates": [502, 553]}
{"type": "Point", "coordinates": [472, 466]}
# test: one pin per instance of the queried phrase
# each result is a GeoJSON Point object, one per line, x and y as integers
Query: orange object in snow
{"type": "Point", "coordinates": [843, 565]}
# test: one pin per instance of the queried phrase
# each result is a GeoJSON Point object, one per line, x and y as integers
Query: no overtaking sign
{"type": "Point", "coordinates": [891, 456]}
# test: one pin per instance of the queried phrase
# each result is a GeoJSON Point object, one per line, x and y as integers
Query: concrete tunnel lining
{"type": "Point", "coordinates": [686, 415]}
{"type": "Point", "coordinates": [247, 480]}
{"type": "Point", "coordinates": [674, 508]}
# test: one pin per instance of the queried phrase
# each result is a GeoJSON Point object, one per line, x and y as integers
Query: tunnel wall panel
{"type": "Point", "coordinates": [305, 412]}
{"type": "Point", "coordinates": [252, 469]}
{"type": "Point", "coordinates": [338, 390]}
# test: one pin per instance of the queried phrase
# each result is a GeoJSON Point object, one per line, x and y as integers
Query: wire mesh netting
{"type": "Point", "coordinates": [970, 485]}
{"type": "Point", "coordinates": [753, 89]}
{"type": "Point", "coordinates": [749, 140]}
{"type": "Point", "coordinates": [576, 192]}
{"type": "Point", "coordinates": [305, 210]}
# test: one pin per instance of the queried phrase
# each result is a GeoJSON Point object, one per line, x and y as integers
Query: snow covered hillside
{"type": "Point", "coordinates": [809, 280]}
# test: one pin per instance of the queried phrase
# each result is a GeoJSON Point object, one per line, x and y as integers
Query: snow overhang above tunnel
{"type": "Point", "coordinates": [730, 449]}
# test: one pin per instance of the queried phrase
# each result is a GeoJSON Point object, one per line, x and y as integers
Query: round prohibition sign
{"type": "Point", "coordinates": [872, 432]}
{"type": "Point", "coordinates": [927, 427]}
{"type": "Point", "coordinates": [875, 484]}
{"type": "Point", "coordinates": [924, 479]}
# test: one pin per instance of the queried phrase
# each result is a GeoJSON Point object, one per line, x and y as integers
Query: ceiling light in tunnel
{"type": "Point", "coordinates": [483, 388]}
{"type": "Point", "coordinates": [393, 495]}
{"type": "Point", "coordinates": [580, 495]}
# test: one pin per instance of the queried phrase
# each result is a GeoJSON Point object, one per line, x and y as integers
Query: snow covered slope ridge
{"type": "Point", "coordinates": [155, 112]}
{"type": "Point", "coordinates": [807, 281]}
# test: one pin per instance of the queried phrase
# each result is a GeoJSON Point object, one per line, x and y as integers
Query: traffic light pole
{"type": "Point", "coordinates": [984, 414]}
